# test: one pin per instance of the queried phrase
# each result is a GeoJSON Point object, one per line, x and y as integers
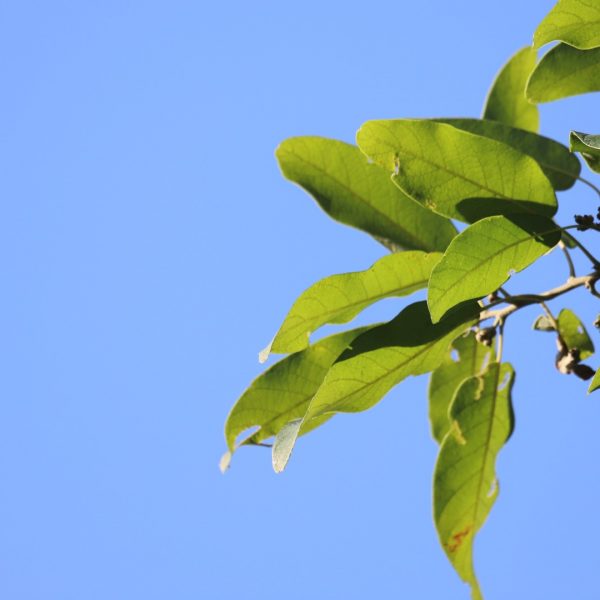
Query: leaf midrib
{"type": "Point", "coordinates": [490, 257]}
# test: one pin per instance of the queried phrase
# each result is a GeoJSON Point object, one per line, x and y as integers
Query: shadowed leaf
{"type": "Point", "coordinates": [576, 22]}
{"type": "Point", "coordinates": [560, 166]}
{"type": "Point", "coordinates": [564, 71]}
{"type": "Point", "coordinates": [472, 358]}
{"type": "Point", "coordinates": [484, 256]}
{"type": "Point", "coordinates": [283, 392]}
{"type": "Point", "coordinates": [506, 100]}
{"type": "Point", "coordinates": [465, 485]}
{"type": "Point", "coordinates": [456, 173]}
{"type": "Point", "coordinates": [408, 345]}
{"type": "Point", "coordinates": [354, 192]}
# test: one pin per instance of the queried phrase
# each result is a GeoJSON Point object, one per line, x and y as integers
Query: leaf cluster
{"type": "Point", "coordinates": [412, 184]}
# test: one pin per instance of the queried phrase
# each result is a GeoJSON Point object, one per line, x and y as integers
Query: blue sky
{"type": "Point", "coordinates": [149, 248]}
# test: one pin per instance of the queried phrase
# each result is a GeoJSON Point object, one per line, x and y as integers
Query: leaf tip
{"type": "Point", "coordinates": [225, 461]}
{"type": "Point", "coordinates": [284, 443]}
{"type": "Point", "coordinates": [263, 355]}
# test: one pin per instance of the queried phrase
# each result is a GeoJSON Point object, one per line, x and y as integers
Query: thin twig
{"type": "Point", "coordinates": [594, 260]}
{"type": "Point", "coordinates": [500, 341]}
{"type": "Point", "coordinates": [590, 184]}
{"type": "Point", "coordinates": [567, 254]}
{"type": "Point", "coordinates": [521, 300]}
{"type": "Point", "coordinates": [562, 344]}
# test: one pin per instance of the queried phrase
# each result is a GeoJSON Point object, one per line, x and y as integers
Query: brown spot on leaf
{"type": "Point", "coordinates": [458, 538]}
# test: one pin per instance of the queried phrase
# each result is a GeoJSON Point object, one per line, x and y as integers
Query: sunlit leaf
{"type": "Point", "coordinates": [506, 100]}
{"type": "Point", "coordinates": [574, 333]}
{"type": "Point", "coordinates": [283, 392]}
{"type": "Point", "coordinates": [357, 193]}
{"type": "Point", "coordinates": [564, 71]}
{"type": "Point", "coordinates": [408, 345]}
{"type": "Point", "coordinates": [465, 486]}
{"type": "Point", "coordinates": [560, 166]}
{"type": "Point", "coordinates": [484, 256]}
{"type": "Point", "coordinates": [456, 173]}
{"type": "Point", "coordinates": [339, 298]}
{"type": "Point", "coordinates": [469, 358]}
{"type": "Point", "coordinates": [576, 22]}
{"type": "Point", "coordinates": [589, 146]}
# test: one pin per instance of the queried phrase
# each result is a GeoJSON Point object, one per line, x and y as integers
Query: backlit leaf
{"type": "Point", "coordinates": [595, 383]}
{"type": "Point", "coordinates": [564, 71]}
{"type": "Point", "coordinates": [465, 486]}
{"type": "Point", "coordinates": [589, 146]}
{"type": "Point", "coordinates": [573, 332]}
{"type": "Point", "coordinates": [576, 22]}
{"type": "Point", "coordinates": [484, 256]}
{"type": "Point", "coordinates": [560, 166]}
{"type": "Point", "coordinates": [339, 298]}
{"type": "Point", "coordinates": [506, 100]}
{"type": "Point", "coordinates": [283, 392]}
{"type": "Point", "coordinates": [357, 193]}
{"type": "Point", "coordinates": [408, 345]}
{"type": "Point", "coordinates": [470, 360]}
{"type": "Point", "coordinates": [456, 173]}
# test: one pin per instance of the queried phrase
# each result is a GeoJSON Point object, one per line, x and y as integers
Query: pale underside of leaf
{"type": "Point", "coordinates": [560, 166]}
{"type": "Point", "coordinates": [283, 392]}
{"type": "Point", "coordinates": [339, 298]}
{"type": "Point", "coordinates": [485, 255]}
{"type": "Point", "coordinates": [564, 71]}
{"type": "Point", "coordinates": [456, 173]}
{"type": "Point", "coordinates": [576, 22]}
{"type": "Point", "coordinates": [465, 483]}
{"type": "Point", "coordinates": [408, 345]}
{"type": "Point", "coordinates": [471, 359]}
{"type": "Point", "coordinates": [506, 101]}
{"type": "Point", "coordinates": [359, 194]}
{"type": "Point", "coordinates": [589, 147]}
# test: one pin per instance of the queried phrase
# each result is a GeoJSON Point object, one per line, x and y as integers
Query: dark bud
{"type": "Point", "coordinates": [584, 222]}
{"type": "Point", "coordinates": [486, 335]}
{"type": "Point", "coordinates": [567, 360]}
{"type": "Point", "coordinates": [583, 371]}
{"type": "Point", "coordinates": [493, 297]}
{"type": "Point", "coordinates": [597, 322]}
{"type": "Point", "coordinates": [598, 214]}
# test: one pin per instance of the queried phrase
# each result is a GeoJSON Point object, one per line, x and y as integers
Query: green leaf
{"type": "Point", "coordinates": [560, 166]}
{"type": "Point", "coordinates": [595, 383]}
{"type": "Point", "coordinates": [339, 298]}
{"type": "Point", "coordinates": [543, 323]}
{"type": "Point", "coordinates": [283, 392]}
{"type": "Point", "coordinates": [564, 71]}
{"type": "Point", "coordinates": [589, 146]}
{"type": "Point", "coordinates": [408, 345]}
{"type": "Point", "coordinates": [354, 192]}
{"type": "Point", "coordinates": [506, 100]}
{"type": "Point", "coordinates": [576, 22]}
{"type": "Point", "coordinates": [484, 256]}
{"type": "Point", "coordinates": [465, 485]}
{"type": "Point", "coordinates": [472, 360]}
{"type": "Point", "coordinates": [574, 334]}
{"type": "Point", "coordinates": [456, 173]}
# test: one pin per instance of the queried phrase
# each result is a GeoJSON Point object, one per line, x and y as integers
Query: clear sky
{"type": "Point", "coordinates": [149, 248]}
